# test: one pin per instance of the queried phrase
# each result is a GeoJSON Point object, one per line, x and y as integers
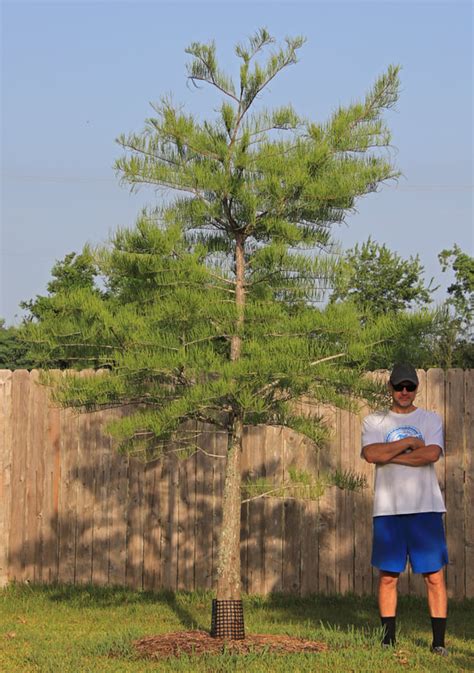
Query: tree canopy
{"type": "Point", "coordinates": [457, 335]}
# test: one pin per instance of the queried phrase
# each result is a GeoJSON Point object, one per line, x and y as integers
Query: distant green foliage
{"type": "Point", "coordinates": [379, 281]}
{"type": "Point", "coordinates": [74, 272]}
{"type": "Point", "coordinates": [461, 291]}
{"type": "Point", "coordinates": [13, 352]}
{"type": "Point", "coordinates": [458, 328]}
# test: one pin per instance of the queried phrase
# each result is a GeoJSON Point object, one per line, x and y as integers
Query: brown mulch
{"type": "Point", "coordinates": [200, 642]}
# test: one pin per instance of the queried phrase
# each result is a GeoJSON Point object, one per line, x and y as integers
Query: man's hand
{"type": "Point", "coordinates": [416, 443]}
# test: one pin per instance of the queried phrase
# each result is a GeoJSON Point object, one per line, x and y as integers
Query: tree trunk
{"type": "Point", "coordinates": [227, 613]}
{"type": "Point", "coordinates": [236, 342]}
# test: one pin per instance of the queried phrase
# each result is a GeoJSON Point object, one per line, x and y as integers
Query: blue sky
{"type": "Point", "coordinates": [77, 74]}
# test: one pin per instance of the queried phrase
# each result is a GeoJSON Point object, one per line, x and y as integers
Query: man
{"type": "Point", "coordinates": [404, 443]}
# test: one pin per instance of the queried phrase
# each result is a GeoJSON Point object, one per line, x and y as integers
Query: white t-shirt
{"type": "Point", "coordinates": [403, 489]}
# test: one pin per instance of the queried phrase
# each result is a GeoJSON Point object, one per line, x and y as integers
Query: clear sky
{"type": "Point", "coordinates": [77, 74]}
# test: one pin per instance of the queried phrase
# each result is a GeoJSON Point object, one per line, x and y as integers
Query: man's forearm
{"type": "Point", "coordinates": [418, 457]}
{"type": "Point", "coordinates": [384, 452]}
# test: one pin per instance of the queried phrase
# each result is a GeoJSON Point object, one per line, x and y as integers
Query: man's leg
{"type": "Point", "coordinates": [438, 606]}
{"type": "Point", "coordinates": [387, 597]}
{"type": "Point", "coordinates": [437, 595]}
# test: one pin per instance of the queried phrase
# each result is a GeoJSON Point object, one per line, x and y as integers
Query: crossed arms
{"type": "Point", "coordinates": [394, 452]}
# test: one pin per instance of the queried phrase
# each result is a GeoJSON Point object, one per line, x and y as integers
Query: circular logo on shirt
{"type": "Point", "coordinates": [402, 432]}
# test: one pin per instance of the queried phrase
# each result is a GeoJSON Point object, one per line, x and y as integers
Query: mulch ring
{"type": "Point", "coordinates": [200, 642]}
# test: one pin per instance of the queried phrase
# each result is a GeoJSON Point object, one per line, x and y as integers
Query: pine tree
{"type": "Point", "coordinates": [210, 312]}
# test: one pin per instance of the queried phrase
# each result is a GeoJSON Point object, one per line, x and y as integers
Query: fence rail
{"type": "Point", "coordinates": [73, 510]}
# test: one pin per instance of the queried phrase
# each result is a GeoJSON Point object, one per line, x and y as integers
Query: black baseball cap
{"type": "Point", "coordinates": [403, 372]}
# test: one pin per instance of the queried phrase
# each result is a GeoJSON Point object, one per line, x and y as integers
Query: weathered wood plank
{"type": "Point", "coordinates": [203, 520]}
{"type": "Point", "coordinates": [5, 470]}
{"type": "Point", "coordinates": [68, 496]}
{"type": "Point", "coordinates": [152, 528]}
{"type": "Point", "coordinates": [85, 494]}
{"type": "Point", "coordinates": [99, 482]}
{"type": "Point", "coordinates": [455, 482]}
{"type": "Point", "coordinates": [469, 482]}
{"type": "Point", "coordinates": [20, 420]}
{"type": "Point", "coordinates": [112, 508]}
{"type": "Point", "coordinates": [345, 507]}
{"type": "Point", "coordinates": [365, 578]}
{"type": "Point", "coordinates": [169, 497]}
{"type": "Point", "coordinates": [300, 518]}
{"type": "Point", "coordinates": [52, 476]}
{"type": "Point", "coordinates": [327, 510]}
{"type": "Point", "coordinates": [165, 524]}
{"type": "Point", "coordinates": [187, 507]}
{"type": "Point", "coordinates": [134, 569]}
{"type": "Point", "coordinates": [307, 456]}
{"type": "Point", "coordinates": [254, 469]}
{"type": "Point", "coordinates": [31, 520]}
{"type": "Point", "coordinates": [40, 446]}
{"type": "Point", "coordinates": [273, 512]}
{"type": "Point", "coordinates": [218, 475]}
{"type": "Point", "coordinates": [435, 401]}
{"type": "Point", "coordinates": [244, 513]}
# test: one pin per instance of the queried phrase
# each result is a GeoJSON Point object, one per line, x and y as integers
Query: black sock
{"type": "Point", "coordinates": [438, 624]}
{"type": "Point", "coordinates": [388, 624]}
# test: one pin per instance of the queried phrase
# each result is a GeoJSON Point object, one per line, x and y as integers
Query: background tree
{"type": "Point", "coordinates": [13, 351]}
{"type": "Point", "coordinates": [232, 337]}
{"type": "Point", "coordinates": [457, 336]}
{"type": "Point", "coordinates": [76, 273]}
{"type": "Point", "coordinates": [379, 281]}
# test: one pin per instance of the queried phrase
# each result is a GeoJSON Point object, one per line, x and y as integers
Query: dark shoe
{"type": "Point", "coordinates": [441, 651]}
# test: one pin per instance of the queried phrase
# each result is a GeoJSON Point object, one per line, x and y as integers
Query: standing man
{"type": "Point", "coordinates": [404, 443]}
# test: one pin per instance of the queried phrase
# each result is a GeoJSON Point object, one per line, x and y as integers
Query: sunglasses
{"type": "Point", "coordinates": [409, 387]}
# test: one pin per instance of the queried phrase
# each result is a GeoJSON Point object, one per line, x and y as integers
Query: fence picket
{"type": "Point", "coordinates": [5, 470]}
{"type": "Point", "coordinates": [455, 482]}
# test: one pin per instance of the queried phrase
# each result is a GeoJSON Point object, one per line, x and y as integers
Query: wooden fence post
{"type": "Point", "coordinates": [5, 469]}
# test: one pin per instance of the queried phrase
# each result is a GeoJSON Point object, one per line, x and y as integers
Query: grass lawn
{"type": "Point", "coordinates": [66, 629]}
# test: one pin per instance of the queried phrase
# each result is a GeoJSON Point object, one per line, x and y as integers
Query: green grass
{"type": "Point", "coordinates": [66, 629]}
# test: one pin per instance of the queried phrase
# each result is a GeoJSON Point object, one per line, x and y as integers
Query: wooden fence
{"type": "Point", "coordinates": [73, 510]}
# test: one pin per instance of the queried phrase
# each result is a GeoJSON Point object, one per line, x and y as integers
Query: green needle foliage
{"type": "Point", "coordinates": [209, 311]}
{"type": "Point", "coordinates": [162, 330]}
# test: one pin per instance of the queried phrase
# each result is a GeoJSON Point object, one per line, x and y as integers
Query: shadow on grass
{"type": "Point", "coordinates": [362, 612]}
{"type": "Point", "coordinates": [192, 609]}
{"type": "Point", "coordinates": [101, 598]}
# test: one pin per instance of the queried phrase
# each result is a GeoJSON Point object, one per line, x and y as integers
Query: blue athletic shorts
{"type": "Point", "coordinates": [417, 536]}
